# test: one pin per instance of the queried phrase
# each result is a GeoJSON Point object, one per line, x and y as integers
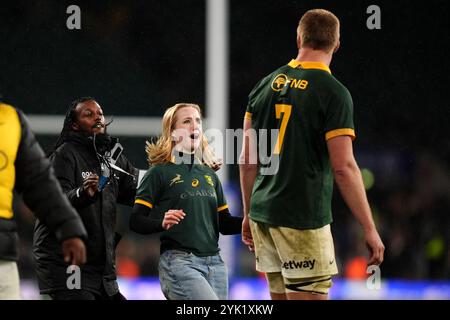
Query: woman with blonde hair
{"type": "Point", "coordinates": [182, 197]}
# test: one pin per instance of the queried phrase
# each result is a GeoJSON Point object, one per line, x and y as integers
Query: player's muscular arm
{"type": "Point", "coordinates": [349, 180]}
{"type": "Point", "coordinates": [248, 169]}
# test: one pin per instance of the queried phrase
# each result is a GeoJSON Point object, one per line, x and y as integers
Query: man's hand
{"type": "Point", "coordinates": [376, 248]}
{"type": "Point", "coordinates": [90, 185]}
{"type": "Point", "coordinates": [172, 217]}
{"type": "Point", "coordinates": [247, 237]}
{"type": "Point", "coordinates": [74, 251]}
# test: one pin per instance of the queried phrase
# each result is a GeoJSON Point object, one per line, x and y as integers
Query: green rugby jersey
{"type": "Point", "coordinates": [197, 190]}
{"type": "Point", "coordinates": [308, 106]}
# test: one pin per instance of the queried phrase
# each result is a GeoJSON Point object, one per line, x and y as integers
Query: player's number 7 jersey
{"type": "Point", "coordinates": [294, 110]}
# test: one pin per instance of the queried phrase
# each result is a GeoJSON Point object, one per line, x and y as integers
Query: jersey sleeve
{"type": "Point", "coordinates": [252, 98]}
{"type": "Point", "coordinates": [339, 116]}
{"type": "Point", "coordinates": [149, 191]}
{"type": "Point", "coordinates": [250, 106]}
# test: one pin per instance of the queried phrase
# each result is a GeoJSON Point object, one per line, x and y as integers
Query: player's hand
{"type": "Point", "coordinates": [375, 246]}
{"type": "Point", "coordinates": [247, 237]}
{"type": "Point", "coordinates": [74, 251]}
{"type": "Point", "coordinates": [172, 217]}
{"type": "Point", "coordinates": [90, 185]}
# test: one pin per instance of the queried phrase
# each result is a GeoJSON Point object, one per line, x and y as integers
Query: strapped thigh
{"type": "Point", "coordinates": [314, 285]}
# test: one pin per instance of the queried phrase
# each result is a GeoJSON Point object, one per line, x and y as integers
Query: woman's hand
{"type": "Point", "coordinates": [172, 217]}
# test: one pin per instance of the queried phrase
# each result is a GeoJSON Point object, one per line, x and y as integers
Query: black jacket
{"type": "Point", "coordinates": [73, 160]}
{"type": "Point", "coordinates": [36, 182]}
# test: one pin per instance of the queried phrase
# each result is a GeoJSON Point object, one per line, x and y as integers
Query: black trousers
{"type": "Point", "coordinates": [82, 294]}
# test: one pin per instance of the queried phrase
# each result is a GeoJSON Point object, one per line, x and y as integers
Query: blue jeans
{"type": "Point", "coordinates": [184, 276]}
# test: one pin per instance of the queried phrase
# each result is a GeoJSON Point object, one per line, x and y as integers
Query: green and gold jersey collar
{"type": "Point", "coordinates": [309, 65]}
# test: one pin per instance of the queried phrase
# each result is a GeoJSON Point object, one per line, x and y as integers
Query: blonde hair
{"type": "Point", "coordinates": [318, 29]}
{"type": "Point", "coordinates": [161, 151]}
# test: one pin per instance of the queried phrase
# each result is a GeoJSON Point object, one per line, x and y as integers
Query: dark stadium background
{"type": "Point", "coordinates": [138, 58]}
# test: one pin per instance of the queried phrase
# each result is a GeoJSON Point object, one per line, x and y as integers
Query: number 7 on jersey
{"type": "Point", "coordinates": [286, 110]}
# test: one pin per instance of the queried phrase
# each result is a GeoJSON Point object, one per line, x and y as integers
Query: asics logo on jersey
{"type": "Point", "coordinates": [177, 179]}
